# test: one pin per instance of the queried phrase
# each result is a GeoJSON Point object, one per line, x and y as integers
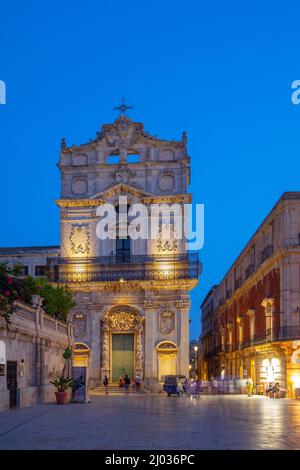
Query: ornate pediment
{"type": "Point", "coordinates": [119, 189]}
{"type": "Point", "coordinates": [124, 133]}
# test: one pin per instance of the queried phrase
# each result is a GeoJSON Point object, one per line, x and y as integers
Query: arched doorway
{"type": "Point", "coordinates": [122, 343]}
{"type": "Point", "coordinates": [166, 359]}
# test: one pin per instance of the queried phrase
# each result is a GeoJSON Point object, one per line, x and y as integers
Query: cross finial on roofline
{"type": "Point", "coordinates": [122, 107]}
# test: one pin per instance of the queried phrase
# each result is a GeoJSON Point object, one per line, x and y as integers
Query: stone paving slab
{"type": "Point", "coordinates": [155, 422]}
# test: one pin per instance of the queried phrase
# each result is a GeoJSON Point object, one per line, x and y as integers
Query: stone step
{"type": "Point", "coordinates": [115, 389]}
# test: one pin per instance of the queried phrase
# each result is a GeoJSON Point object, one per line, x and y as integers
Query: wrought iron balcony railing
{"type": "Point", "coordinates": [249, 270]}
{"type": "Point", "coordinates": [125, 268]}
{"type": "Point", "coordinates": [266, 252]}
{"type": "Point", "coordinates": [284, 333]}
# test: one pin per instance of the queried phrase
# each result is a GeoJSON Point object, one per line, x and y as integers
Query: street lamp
{"type": "Point", "coordinates": [196, 362]}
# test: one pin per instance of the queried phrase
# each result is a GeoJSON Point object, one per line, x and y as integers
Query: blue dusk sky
{"type": "Point", "coordinates": [222, 71]}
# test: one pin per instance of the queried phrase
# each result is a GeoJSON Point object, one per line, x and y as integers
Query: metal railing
{"type": "Point", "coordinates": [129, 268]}
{"type": "Point", "coordinates": [284, 333]}
{"type": "Point", "coordinates": [249, 270]}
{"type": "Point", "coordinates": [266, 252]}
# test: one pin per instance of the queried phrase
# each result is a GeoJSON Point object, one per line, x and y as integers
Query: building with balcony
{"type": "Point", "coordinates": [251, 320]}
{"type": "Point", "coordinates": [132, 295]}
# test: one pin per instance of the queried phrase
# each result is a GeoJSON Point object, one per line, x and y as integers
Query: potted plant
{"type": "Point", "coordinates": [62, 384]}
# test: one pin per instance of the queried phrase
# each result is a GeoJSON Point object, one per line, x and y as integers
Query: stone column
{"type": "Point", "coordinates": [150, 374]}
{"type": "Point", "coordinates": [105, 351]}
{"type": "Point", "coordinates": [183, 306]}
{"type": "Point", "coordinates": [139, 358]}
{"type": "Point", "coordinates": [95, 352]}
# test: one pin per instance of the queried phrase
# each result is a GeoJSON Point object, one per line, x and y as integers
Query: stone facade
{"type": "Point", "coordinates": [32, 349]}
{"type": "Point", "coordinates": [145, 292]}
{"type": "Point", "coordinates": [251, 320]}
{"type": "Point", "coordinates": [143, 295]}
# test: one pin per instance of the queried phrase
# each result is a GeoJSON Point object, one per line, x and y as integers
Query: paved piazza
{"type": "Point", "coordinates": [155, 422]}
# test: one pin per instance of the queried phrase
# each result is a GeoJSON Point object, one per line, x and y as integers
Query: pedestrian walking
{"type": "Point", "coordinates": [179, 389]}
{"type": "Point", "coordinates": [185, 386]}
{"type": "Point", "coordinates": [138, 382]}
{"type": "Point", "coordinates": [197, 388]}
{"type": "Point", "coordinates": [105, 383]}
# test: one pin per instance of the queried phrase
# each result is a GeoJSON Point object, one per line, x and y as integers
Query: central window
{"type": "Point", "coordinates": [123, 250]}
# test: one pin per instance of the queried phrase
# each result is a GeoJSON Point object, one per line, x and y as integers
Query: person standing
{"type": "Point", "coordinates": [105, 383]}
{"type": "Point", "coordinates": [249, 385]}
{"type": "Point", "coordinates": [198, 386]}
{"type": "Point", "coordinates": [179, 389]}
{"type": "Point", "coordinates": [126, 384]}
{"type": "Point", "coordinates": [138, 382]}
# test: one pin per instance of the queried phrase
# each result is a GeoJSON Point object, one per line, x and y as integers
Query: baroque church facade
{"type": "Point", "coordinates": [132, 296]}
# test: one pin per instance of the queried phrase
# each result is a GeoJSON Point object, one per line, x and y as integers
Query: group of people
{"type": "Point", "coordinates": [124, 382]}
{"type": "Point", "coordinates": [189, 388]}
{"type": "Point", "coordinates": [273, 390]}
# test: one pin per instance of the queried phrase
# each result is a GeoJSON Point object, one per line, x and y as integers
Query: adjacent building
{"type": "Point", "coordinates": [31, 355]}
{"type": "Point", "coordinates": [251, 320]}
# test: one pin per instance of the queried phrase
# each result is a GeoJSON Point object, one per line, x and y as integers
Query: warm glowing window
{"type": "Point", "coordinates": [240, 333]}
{"type": "Point", "coordinates": [252, 327]}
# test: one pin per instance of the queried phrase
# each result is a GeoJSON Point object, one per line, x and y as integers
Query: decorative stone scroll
{"type": "Point", "coordinates": [105, 347]}
{"type": "Point", "coordinates": [123, 318]}
{"type": "Point", "coordinates": [139, 346]}
{"type": "Point", "coordinates": [122, 321]}
{"type": "Point", "coordinates": [167, 246]}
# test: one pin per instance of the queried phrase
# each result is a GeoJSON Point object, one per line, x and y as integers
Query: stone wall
{"type": "Point", "coordinates": [35, 341]}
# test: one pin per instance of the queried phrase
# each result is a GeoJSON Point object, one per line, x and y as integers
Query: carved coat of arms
{"type": "Point", "coordinates": [80, 239]}
{"type": "Point", "coordinates": [166, 322]}
{"type": "Point", "coordinates": [79, 324]}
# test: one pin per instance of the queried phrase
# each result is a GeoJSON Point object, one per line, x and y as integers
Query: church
{"type": "Point", "coordinates": [132, 295]}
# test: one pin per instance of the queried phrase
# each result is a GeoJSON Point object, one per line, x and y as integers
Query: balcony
{"type": "Point", "coordinates": [283, 333]}
{"type": "Point", "coordinates": [238, 282]}
{"type": "Point", "coordinates": [213, 352]}
{"type": "Point", "coordinates": [228, 293]}
{"type": "Point", "coordinates": [125, 268]}
{"type": "Point", "coordinates": [249, 270]}
{"type": "Point", "coordinates": [266, 252]}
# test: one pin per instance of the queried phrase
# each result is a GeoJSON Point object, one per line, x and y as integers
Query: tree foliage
{"type": "Point", "coordinates": [57, 300]}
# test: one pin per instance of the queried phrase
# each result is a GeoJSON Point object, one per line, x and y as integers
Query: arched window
{"type": "Point", "coordinates": [133, 158]}
{"type": "Point", "coordinates": [113, 159]}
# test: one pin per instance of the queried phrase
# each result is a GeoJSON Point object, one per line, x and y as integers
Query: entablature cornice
{"type": "Point", "coordinates": [79, 202]}
{"type": "Point", "coordinates": [140, 286]}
